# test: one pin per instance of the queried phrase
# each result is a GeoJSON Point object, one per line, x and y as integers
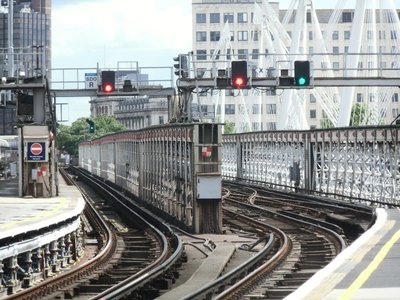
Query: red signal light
{"type": "Point", "coordinates": [239, 74]}
{"type": "Point", "coordinates": [108, 88]}
{"type": "Point", "coordinates": [238, 82]}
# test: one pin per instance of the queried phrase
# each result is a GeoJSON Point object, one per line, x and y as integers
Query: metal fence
{"type": "Point", "coordinates": [175, 168]}
{"type": "Point", "coordinates": [351, 163]}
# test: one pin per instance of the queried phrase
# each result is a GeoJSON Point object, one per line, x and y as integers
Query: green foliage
{"type": "Point", "coordinates": [359, 113]}
{"type": "Point", "coordinates": [68, 137]}
{"type": "Point", "coordinates": [229, 127]}
{"type": "Point", "coordinates": [326, 123]}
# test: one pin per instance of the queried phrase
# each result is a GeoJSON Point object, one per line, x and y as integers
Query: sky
{"type": "Point", "coordinates": [90, 32]}
{"type": "Point", "coordinates": [87, 32]}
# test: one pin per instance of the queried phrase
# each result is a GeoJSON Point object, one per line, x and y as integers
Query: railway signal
{"type": "Point", "coordinates": [108, 81]}
{"type": "Point", "coordinates": [92, 127]}
{"type": "Point", "coordinates": [239, 74]}
{"type": "Point", "coordinates": [181, 67]}
{"type": "Point", "coordinates": [302, 73]}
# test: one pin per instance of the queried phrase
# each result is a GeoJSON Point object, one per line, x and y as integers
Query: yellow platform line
{"type": "Point", "coordinates": [363, 277]}
{"type": "Point", "coordinates": [41, 215]}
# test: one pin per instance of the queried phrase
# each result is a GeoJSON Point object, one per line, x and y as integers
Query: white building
{"type": "Point", "coordinates": [247, 42]}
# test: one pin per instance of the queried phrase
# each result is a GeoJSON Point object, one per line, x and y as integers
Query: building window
{"type": "Point", "coordinates": [243, 53]}
{"type": "Point", "coordinates": [228, 54]}
{"type": "Point", "coordinates": [201, 72]}
{"type": "Point", "coordinates": [346, 34]}
{"type": "Point", "coordinates": [161, 120]}
{"type": "Point", "coordinates": [254, 54]}
{"type": "Point", "coordinates": [228, 17]}
{"type": "Point", "coordinates": [257, 109]}
{"type": "Point", "coordinates": [335, 50]}
{"type": "Point", "coordinates": [308, 17]}
{"type": "Point", "coordinates": [242, 17]}
{"type": "Point", "coordinates": [346, 49]}
{"type": "Point", "coordinates": [395, 97]}
{"type": "Point", "coordinates": [204, 109]}
{"type": "Point", "coordinates": [232, 36]}
{"type": "Point", "coordinates": [382, 35]}
{"type": "Point", "coordinates": [271, 109]}
{"type": "Point", "coordinates": [371, 97]}
{"type": "Point", "coordinates": [395, 112]}
{"type": "Point", "coordinates": [393, 34]}
{"type": "Point", "coordinates": [255, 35]}
{"type": "Point", "coordinates": [201, 54]}
{"type": "Point", "coordinates": [201, 36]}
{"type": "Point", "coordinates": [229, 109]}
{"type": "Point", "coordinates": [310, 35]}
{"type": "Point", "coordinates": [347, 17]}
{"type": "Point", "coordinates": [335, 66]}
{"type": "Point", "coordinates": [215, 54]}
{"type": "Point", "coordinates": [201, 18]}
{"type": "Point", "coordinates": [242, 35]}
{"type": "Point", "coordinates": [255, 126]}
{"type": "Point", "coordinates": [312, 98]}
{"type": "Point", "coordinates": [359, 98]}
{"type": "Point", "coordinates": [313, 114]}
{"type": "Point", "coordinates": [271, 126]}
{"type": "Point", "coordinates": [214, 36]}
{"type": "Point", "coordinates": [370, 35]}
{"type": "Point", "coordinates": [214, 18]}
{"type": "Point", "coordinates": [335, 35]}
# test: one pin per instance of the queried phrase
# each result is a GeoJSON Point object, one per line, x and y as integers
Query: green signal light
{"type": "Point", "coordinates": [301, 81]}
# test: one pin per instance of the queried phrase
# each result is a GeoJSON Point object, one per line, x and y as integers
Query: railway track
{"type": "Point", "coordinates": [307, 240]}
{"type": "Point", "coordinates": [293, 238]}
{"type": "Point", "coordinates": [132, 253]}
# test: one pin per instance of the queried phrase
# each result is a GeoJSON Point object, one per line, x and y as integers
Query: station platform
{"type": "Point", "coordinates": [367, 269]}
{"type": "Point", "coordinates": [22, 215]}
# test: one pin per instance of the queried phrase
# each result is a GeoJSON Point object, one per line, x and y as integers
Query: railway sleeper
{"type": "Point", "coordinates": [316, 255]}
{"type": "Point", "coordinates": [279, 293]}
{"type": "Point", "coordinates": [92, 288]}
{"type": "Point", "coordinates": [129, 253]}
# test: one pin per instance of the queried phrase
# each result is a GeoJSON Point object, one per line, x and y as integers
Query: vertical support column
{"type": "Point", "coordinates": [2, 281]}
{"type": "Point", "coordinates": [12, 284]}
{"type": "Point", "coordinates": [207, 174]}
{"type": "Point", "coordinates": [28, 269]}
{"type": "Point", "coordinates": [37, 260]}
{"type": "Point", "coordinates": [62, 252]}
{"type": "Point", "coordinates": [47, 261]}
{"type": "Point", "coordinates": [308, 163]}
{"type": "Point", "coordinates": [39, 106]}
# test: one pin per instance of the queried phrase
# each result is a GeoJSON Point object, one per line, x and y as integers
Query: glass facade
{"type": "Point", "coordinates": [32, 50]}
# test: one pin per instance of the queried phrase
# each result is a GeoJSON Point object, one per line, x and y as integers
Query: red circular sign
{"type": "Point", "coordinates": [36, 149]}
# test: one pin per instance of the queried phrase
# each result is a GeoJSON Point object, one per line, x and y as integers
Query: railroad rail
{"type": "Point", "coordinates": [306, 244]}
{"type": "Point", "coordinates": [128, 257]}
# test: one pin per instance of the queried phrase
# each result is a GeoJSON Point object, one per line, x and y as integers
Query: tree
{"type": "Point", "coordinates": [68, 137]}
{"type": "Point", "coordinates": [359, 114]}
{"type": "Point", "coordinates": [229, 127]}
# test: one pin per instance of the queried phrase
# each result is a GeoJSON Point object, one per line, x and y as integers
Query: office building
{"type": "Point", "coordinates": [31, 50]}
{"type": "Point", "coordinates": [261, 109]}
